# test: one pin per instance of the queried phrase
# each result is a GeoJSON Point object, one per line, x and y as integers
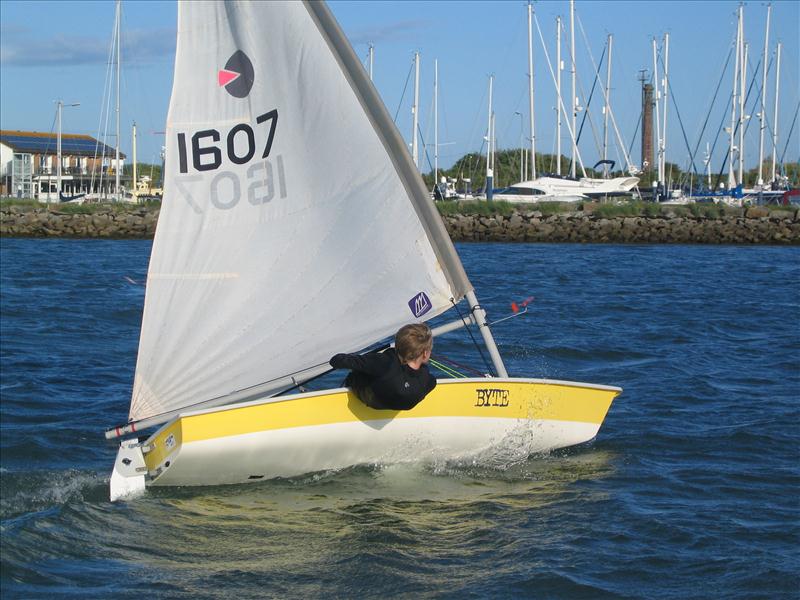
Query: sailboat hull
{"type": "Point", "coordinates": [292, 435]}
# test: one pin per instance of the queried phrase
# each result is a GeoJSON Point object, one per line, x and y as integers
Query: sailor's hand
{"type": "Point", "coordinates": [336, 361]}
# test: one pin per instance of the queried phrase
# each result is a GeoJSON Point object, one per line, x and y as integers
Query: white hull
{"type": "Point", "coordinates": [549, 189]}
{"type": "Point", "coordinates": [529, 199]}
{"type": "Point", "coordinates": [288, 453]}
{"type": "Point", "coordinates": [318, 431]}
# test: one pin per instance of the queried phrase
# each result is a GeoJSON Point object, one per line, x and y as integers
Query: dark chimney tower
{"type": "Point", "coordinates": [647, 123]}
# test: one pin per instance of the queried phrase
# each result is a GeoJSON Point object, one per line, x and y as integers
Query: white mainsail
{"type": "Point", "coordinates": [294, 224]}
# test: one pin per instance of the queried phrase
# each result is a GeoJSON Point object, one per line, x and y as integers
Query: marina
{"type": "Point", "coordinates": [570, 102]}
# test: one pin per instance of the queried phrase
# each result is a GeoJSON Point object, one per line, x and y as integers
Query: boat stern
{"type": "Point", "coordinates": [128, 475]}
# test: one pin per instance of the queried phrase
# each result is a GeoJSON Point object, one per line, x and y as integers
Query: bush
{"type": "Point", "coordinates": [609, 211]}
{"type": "Point", "coordinates": [476, 207]}
{"type": "Point", "coordinates": [86, 208]}
{"type": "Point", "coordinates": [499, 207]}
{"type": "Point", "coordinates": [651, 209]}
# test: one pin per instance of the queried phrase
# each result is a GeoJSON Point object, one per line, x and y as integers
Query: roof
{"type": "Point", "coordinates": [47, 143]}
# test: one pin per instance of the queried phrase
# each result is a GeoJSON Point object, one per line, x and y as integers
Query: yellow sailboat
{"type": "Point", "coordinates": [295, 226]}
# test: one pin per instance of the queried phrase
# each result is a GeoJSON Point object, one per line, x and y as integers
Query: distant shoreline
{"type": "Point", "coordinates": [755, 225]}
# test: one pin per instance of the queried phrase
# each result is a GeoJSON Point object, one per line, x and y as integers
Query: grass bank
{"type": "Point", "coordinates": [626, 209]}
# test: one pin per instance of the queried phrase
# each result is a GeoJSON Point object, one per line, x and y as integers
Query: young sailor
{"type": "Point", "coordinates": [397, 379]}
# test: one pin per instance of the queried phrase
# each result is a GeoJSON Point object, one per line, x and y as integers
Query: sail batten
{"type": "Point", "coordinates": [293, 225]}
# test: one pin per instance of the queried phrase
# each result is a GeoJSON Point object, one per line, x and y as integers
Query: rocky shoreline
{"type": "Point", "coordinates": [130, 224]}
{"type": "Point", "coordinates": [752, 226]}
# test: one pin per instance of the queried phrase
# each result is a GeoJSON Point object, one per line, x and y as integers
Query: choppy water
{"type": "Point", "coordinates": [690, 490]}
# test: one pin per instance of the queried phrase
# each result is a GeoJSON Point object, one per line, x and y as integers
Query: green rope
{"type": "Point", "coordinates": [445, 369]}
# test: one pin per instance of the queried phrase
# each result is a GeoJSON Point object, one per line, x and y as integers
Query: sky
{"type": "Point", "coordinates": [59, 50]}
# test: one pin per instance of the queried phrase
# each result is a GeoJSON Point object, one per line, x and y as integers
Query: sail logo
{"type": "Point", "coordinates": [238, 75]}
{"type": "Point", "coordinates": [420, 304]}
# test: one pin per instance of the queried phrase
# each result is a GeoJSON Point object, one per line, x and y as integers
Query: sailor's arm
{"type": "Point", "coordinates": [371, 364]}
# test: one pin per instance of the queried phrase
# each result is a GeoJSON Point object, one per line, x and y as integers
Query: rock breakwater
{"type": "Point", "coordinates": [128, 224]}
{"type": "Point", "coordinates": [752, 226]}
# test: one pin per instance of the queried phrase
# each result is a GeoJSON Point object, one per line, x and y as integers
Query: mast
{"type": "Point", "coordinates": [559, 68]}
{"type": "Point", "coordinates": [775, 120]}
{"type": "Point", "coordinates": [371, 59]}
{"type": "Point", "coordinates": [415, 112]}
{"type": "Point", "coordinates": [435, 122]}
{"type": "Point", "coordinates": [663, 166]}
{"type": "Point", "coordinates": [530, 90]}
{"type": "Point", "coordinates": [734, 103]}
{"type": "Point", "coordinates": [659, 147]}
{"type": "Point", "coordinates": [762, 116]}
{"type": "Point", "coordinates": [574, 102]}
{"type": "Point", "coordinates": [494, 141]}
{"type": "Point", "coordinates": [133, 183]}
{"type": "Point", "coordinates": [116, 166]}
{"type": "Point", "coordinates": [522, 154]}
{"type": "Point", "coordinates": [742, 88]}
{"type": "Point", "coordinates": [486, 333]}
{"type": "Point", "coordinates": [607, 108]}
{"type": "Point", "coordinates": [59, 111]}
{"type": "Point", "coordinates": [489, 171]}
{"type": "Point", "coordinates": [58, 156]}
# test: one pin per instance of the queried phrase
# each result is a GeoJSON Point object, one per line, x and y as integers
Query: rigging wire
{"type": "Point", "coordinates": [47, 145]}
{"type": "Point", "coordinates": [588, 103]}
{"type": "Point", "coordinates": [683, 129]}
{"type": "Point", "coordinates": [474, 341]}
{"type": "Point", "coordinates": [791, 130]}
{"type": "Point", "coordinates": [620, 144]}
{"type": "Point", "coordinates": [735, 131]}
{"type": "Point", "coordinates": [105, 110]}
{"type": "Point", "coordinates": [471, 157]}
{"type": "Point", "coordinates": [139, 88]}
{"type": "Point", "coordinates": [586, 114]}
{"type": "Point", "coordinates": [425, 150]}
{"type": "Point", "coordinates": [635, 132]}
{"type": "Point", "coordinates": [754, 108]}
{"type": "Point", "coordinates": [403, 95]}
{"type": "Point", "coordinates": [561, 101]}
{"type": "Point", "coordinates": [711, 108]}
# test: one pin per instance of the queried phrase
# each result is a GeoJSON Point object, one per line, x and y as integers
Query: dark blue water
{"type": "Point", "coordinates": [690, 490]}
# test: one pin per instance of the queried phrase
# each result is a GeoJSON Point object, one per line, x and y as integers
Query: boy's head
{"type": "Point", "coordinates": [412, 341]}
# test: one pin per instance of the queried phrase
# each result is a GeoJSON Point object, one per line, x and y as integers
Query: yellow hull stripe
{"type": "Point", "coordinates": [482, 398]}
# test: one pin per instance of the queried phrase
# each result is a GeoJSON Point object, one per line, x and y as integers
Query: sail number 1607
{"type": "Point", "coordinates": [240, 146]}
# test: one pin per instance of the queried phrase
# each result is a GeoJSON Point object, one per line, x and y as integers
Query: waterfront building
{"type": "Point", "coordinates": [29, 166]}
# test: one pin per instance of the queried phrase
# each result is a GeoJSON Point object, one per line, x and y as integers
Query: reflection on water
{"type": "Point", "coordinates": [284, 528]}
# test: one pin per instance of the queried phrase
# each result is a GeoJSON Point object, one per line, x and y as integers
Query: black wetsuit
{"type": "Point", "coordinates": [381, 381]}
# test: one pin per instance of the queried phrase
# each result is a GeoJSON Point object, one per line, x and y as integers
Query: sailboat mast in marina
{"type": "Point", "coordinates": [531, 91]}
{"type": "Point", "coordinates": [557, 187]}
{"type": "Point", "coordinates": [295, 225]}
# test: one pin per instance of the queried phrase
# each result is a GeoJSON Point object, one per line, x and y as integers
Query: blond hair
{"type": "Point", "coordinates": [412, 341]}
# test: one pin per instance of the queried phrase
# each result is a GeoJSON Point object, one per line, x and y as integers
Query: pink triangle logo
{"type": "Point", "coordinates": [237, 76]}
{"type": "Point", "coordinates": [225, 77]}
